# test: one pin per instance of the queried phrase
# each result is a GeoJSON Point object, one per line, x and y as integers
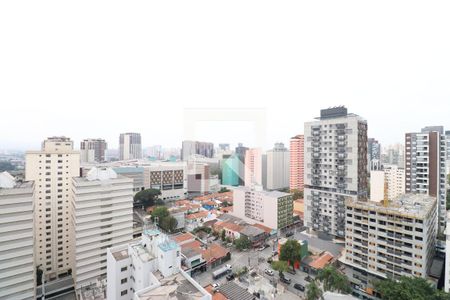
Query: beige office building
{"type": "Point", "coordinates": [52, 169]}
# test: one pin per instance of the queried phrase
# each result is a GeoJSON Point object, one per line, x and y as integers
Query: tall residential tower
{"type": "Point", "coordinates": [130, 146]}
{"type": "Point", "coordinates": [297, 165]}
{"type": "Point", "coordinates": [335, 168]}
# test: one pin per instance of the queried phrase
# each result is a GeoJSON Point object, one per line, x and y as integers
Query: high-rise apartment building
{"type": "Point", "coordinates": [390, 180]}
{"type": "Point", "coordinates": [190, 148]}
{"type": "Point", "coordinates": [395, 178]}
{"type": "Point", "coordinates": [18, 269]}
{"type": "Point", "coordinates": [254, 205]}
{"type": "Point", "coordinates": [230, 171]}
{"type": "Point", "coordinates": [374, 154]}
{"type": "Point", "coordinates": [52, 169]}
{"type": "Point", "coordinates": [447, 138]}
{"type": "Point", "coordinates": [296, 165]}
{"type": "Point", "coordinates": [425, 170]}
{"type": "Point", "coordinates": [335, 168]}
{"type": "Point", "coordinates": [240, 151]}
{"type": "Point", "coordinates": [130, 146]}
{"type": "Point", "coordinates": [253, 167]}
{"type": "Point", "coordinates": [277, 167]}
{"type": "Point", "coordinates": [92, 150]}
{"type": "Point", "coordinates": [388, 240]}
{"type": "Point", "coordinates": [102, 217]}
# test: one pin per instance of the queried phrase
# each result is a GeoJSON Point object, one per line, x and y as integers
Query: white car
{"type": "Point", "coordinates": [269, 272]}
{"type": "Point", "coordinates": [215, 286]}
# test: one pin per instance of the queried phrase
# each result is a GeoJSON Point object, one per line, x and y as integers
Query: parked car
{"type": "Point", "coordinates": [215, 286]}
{"type": "Point", "coordinates": [299, 287]}
{"type": "Point", "coordinates": [285, 280]}
{"type": "Point", "coordinates": [308, 279]}
{"type": "Point", "coordinates": [261, 248]}
{"type": "Point", "coordinates": [230, 277]}
{"type": "Point", "coordinates": [290, 233]}
{"type": "Point", "coordinates": [268, 272]}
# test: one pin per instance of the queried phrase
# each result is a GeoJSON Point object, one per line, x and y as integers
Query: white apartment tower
{"type": "Point", "coordinates": [253, 167]}
{"type": "Point", "coordinates": [130, 146]}
{"type": "Point", "coordinates": [52, 169]}
{"type": "Point", "coordinates": [335, 168]}
{"type": "Point", "coordinates": [278, 167]}
{"type": "Point", "coordinates": [102, 217]}
{"type": "Point", "coordinates": [389, 240]}
{"type": "Point", "coordinates": [395, 178]}
{"type": "Point", "coordinates": [254, 205]}
{"type": "Point", "coordinates": [17, 267]}
{"type": "Point", "coordinates": [425, 171]}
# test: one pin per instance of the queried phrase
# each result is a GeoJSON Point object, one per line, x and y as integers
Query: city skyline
{"type": "Point", "coordinates": [392, 72]}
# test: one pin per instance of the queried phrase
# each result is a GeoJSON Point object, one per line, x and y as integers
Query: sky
{"type": "Point", "coordinates": [98, 68]}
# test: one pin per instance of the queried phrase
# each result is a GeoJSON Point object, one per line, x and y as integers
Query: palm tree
{"type": "Point", "coordinates": [313, 291]}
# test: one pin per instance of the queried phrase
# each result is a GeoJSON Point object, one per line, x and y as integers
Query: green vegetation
{"type": "Point", "coordinates": [296, 194]}
{"type": "Point", "coordinates": [222, 235]}
{"type": "Point", "coordinates": [242, 243]}
{"type": "Point", "coordinates": [334, 281]}
{"type": "Point", "coordinates": [202, 228]}
{"type": "Point", "coordinates": [313, 291]}
{"type": "Point", "coordinates": [280, 266]}
{"type": "Point", "coordinates": [291, 252]}
{"type": "Point", "coordinates": [223, 190]}
{"type": "Point", "coordinates": [226, 203]}
{"type": "Point", "coordinates": [147, 198]}
{"type": "Point", "coordinates": [165, 220]}
{"type": "Point", "coordinates": [407, 288]}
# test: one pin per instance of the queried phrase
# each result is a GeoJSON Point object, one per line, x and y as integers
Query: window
{"type": "Point", "coordinates": [123, 293]}
{"type": "Point", "coordinates": [124, 280]}
{"type": "Point", "coordinates": [123, 269]}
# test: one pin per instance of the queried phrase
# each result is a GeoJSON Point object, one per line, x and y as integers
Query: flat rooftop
{"type": "Point", "coordinates": [142, 252]}
{"type": "Point", "coordinates": [409, 205]}
{"type": "Point", "coordinates": [120, 255]}
{"type": "Point", "coordinates": [176, 287]}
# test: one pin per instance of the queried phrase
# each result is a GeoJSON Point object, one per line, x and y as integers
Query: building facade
{"type": "Point", "coordinates": [102, 217]}
{"type": "Point", "coordinates": [166, 177]}
{"type": "Point", "coordinates": [374, 154]}
{"type": "Point", "coordinates": [272, 209]}
{"type": "Point", "coordinates": [240, 151]}
{"type": "Point", "coordinates": [389, 240]}
{"type": "Point", "coordinates": [296, 165]}
{"type": "Point", "coordinates": [277, 167]}
{"type": "Point", "coordinates": [130, 146]}
{"type": "Point", "coordinates": [52, 169]}
{"type": "Point", "coordinates": [150, 268]}
{"type": "Point", "coordinates": [395, 178]}
{"type": "Point", "coordinates": [190, 148]}
{"type": "Point", "coordinates": [253, 167]}
{"type": "Point", "coordinates": [335, 168]}
{"type": "Point", "coordinates": [18, 269]}
{"type": "Point", "coordinates": [425, 171]}
{"type": "Point", "coordinates": [230, 171]}
{"type": "Point", "coordinates": [92, 150]}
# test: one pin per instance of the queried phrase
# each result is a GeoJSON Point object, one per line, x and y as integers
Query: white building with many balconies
{"type": "Point", "coordinates": [102, 217]}
{"type": "Point", "coordinates": [17, 267]}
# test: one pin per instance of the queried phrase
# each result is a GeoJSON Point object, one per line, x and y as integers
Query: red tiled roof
{"type": "Point", "coordinates": [215, 295]}
{"type": "Point", "coordinates": [214, 252]}
{"type": "Point", "coordinates": [198, 215]}
{"type": "Point", "coordinates": [229, 226]}
{"type": "Point", "coordinates": [321, 261]}
{"type": "Point", "coordinates": [183, 237]}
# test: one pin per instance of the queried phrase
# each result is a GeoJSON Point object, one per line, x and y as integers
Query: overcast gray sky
{"type": "Point", "coordinates": [98, 68]}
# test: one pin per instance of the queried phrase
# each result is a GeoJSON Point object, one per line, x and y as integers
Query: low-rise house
{"type": "Point", "coordinates": [232, 230]}
{"type": "Point", "coordinates": [313, 264]}
{"type": "Point", "coordinates": [256, 235]}
{"type": "Point", "coordinates": [197, 219]}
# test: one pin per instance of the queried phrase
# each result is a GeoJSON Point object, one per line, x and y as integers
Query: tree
{"type": "Point", "coordinates": [280, 266]}
{"type": "Point", "coordinates": [39, 273]}
{"type": "Point", "coordinates": [333, 280]}
{"type": "Point", "coordinates": [297, 194]}
{"type": "Point", "coordinates": [222, 235]}
{"type": "Point", "coordinates": [313, 291]}
{"type": "Point", "coordinates": [160, 212]}
{"type": "Point", "coordinates": [408, 288]}
{"type": "Point", "coordinates": [146, 197]}
{"type": "Point", "coordinates": [168, 223]}
{"type": "Point", "coordinates": [242, 243]}
{"type": "Point", "coordinates": [223, 190]}
{"type": "Point", "coordinates": [291, 252]}
{"type": "Point", "coordinates": [226, 204]}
